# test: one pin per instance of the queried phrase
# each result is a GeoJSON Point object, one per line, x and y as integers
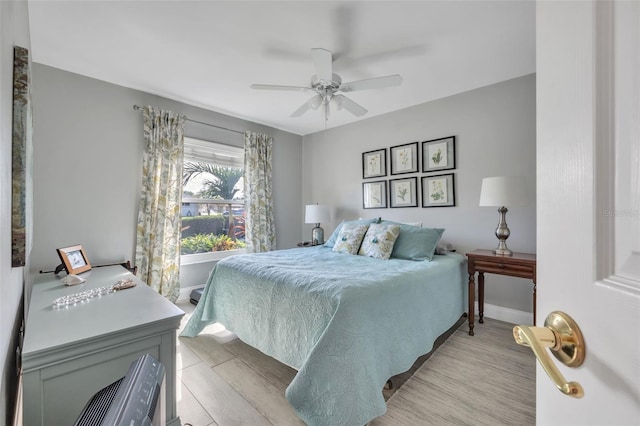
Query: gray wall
{"type": "Point", "coordinates": [88, 144]}
{"type": "Point", "coordinates": [14, 30]}
{"type": "Point", "coordinates": [495, 131]}
{"type": "Point", "coordinates": [88, 151]}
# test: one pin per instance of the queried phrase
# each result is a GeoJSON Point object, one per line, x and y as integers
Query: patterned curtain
{"type": "Point", "coordinates": [260, 231]}
{"type": "Point", "coordinates": [159, 222]}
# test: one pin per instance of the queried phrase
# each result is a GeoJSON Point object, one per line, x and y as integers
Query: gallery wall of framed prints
{"type": "Point", "coordinates": [432, 188]}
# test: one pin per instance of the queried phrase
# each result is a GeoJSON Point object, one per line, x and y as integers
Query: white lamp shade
{"type": "Point", "coordinates": [507, 191]}
{"type": "Point", "coordinates": [316, 213]}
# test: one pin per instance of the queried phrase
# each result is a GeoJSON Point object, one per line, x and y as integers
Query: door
{"type": "Point", "coordinates": [588, 202]}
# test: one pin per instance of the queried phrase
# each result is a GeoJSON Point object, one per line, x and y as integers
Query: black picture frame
{"type": "Point", "coordinates": [374, 163]}
{"type": "Point", "coordinates": [404, 158]}
{"type": "Point", "coordinates": [439, 154]}
{"type": "Point", "coordinates": [438, 190]}
{"type": "Point", "coordinates": [403, 192]}
{"type": "Point", "coordinates": [374, 195]}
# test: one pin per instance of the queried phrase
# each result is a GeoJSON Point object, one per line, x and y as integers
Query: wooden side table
{"type": "Point", "coordinates": [522, 265]}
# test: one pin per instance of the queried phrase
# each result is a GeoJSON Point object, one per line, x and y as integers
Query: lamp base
{"type": "Point", "coordinates": [317, 235]}
{"type": "Point", "coordinates": [502, 252]}
{"type": "Point", "coordinates": [502, 232]}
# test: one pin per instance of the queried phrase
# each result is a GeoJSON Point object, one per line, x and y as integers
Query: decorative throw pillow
{"type": "Point", "coordinates": [416, 243]}
{"type": "Point", "coordinates": [332, 239]}
{"type": "Point", "coordinates": [379, 240]}
{"type": "Point", "coordinates": [350, 238]}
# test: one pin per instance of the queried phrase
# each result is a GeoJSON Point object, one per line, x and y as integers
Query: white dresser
{"type": "Point", "coordinates": [71, 353]}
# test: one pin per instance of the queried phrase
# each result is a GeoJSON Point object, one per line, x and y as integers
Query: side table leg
{"type": "Point", "coordinates": [471, 297]}
{"type": "Point", "coordinates": [481, 297]}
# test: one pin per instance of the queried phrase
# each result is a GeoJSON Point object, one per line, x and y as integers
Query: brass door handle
{"type": "Point", "coordinates": [563, 337]}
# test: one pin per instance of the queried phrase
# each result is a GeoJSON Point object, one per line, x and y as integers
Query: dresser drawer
{"type": "Point", "coordinates": [524, 271]}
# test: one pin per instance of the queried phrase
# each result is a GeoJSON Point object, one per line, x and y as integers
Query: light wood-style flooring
{"type": "Point", "coordinates": [222, 381]}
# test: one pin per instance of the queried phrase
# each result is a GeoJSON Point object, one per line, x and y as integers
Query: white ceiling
{"type": "Point", "coordinates": [207, 53]}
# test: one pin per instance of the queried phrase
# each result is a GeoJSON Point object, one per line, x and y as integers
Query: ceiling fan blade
{"type": "Point", "coordinates": [372, 83]}
{"type": "Point", "coordinates": [312, 103]}
{"type": "Point", "coordinates": [277, 87]}
{"type": "Point", "coordinates": [323, 62]}
{"type": "Point", "coordinates": [346, 103]}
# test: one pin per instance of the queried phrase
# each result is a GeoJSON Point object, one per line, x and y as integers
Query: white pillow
{"type": "Point", "coordinates": [418, 224]}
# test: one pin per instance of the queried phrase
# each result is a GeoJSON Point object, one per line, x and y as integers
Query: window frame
{"type": "Point", "coordinates": [216, 149]}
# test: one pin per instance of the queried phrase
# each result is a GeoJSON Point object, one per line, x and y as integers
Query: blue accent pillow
{"type": "Point", "coordinates": [332, 239]}
{"type": "Point", "coordinates": [415, 243]}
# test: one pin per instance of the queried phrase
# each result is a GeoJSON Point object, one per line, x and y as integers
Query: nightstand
{"type": "Point", "coordinates": [522, 265]}
{"type": "Point", "coordinates": [306, 244]}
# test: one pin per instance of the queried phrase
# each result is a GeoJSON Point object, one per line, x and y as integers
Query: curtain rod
{"type": "Point", "coordinates": [139, 108]}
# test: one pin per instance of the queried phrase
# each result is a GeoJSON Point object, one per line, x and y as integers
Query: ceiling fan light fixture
{"type": "Point", "coordinates": [328, 86]}
{"type": "Point", "coordinates": [316, 101]}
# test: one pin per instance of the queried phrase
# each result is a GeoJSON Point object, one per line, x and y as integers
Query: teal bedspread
{"type": "Point", "coordinates": [346, 323]}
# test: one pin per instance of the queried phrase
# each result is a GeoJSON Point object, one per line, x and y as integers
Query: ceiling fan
{"type": "Point", "coordinates": [328, 87]}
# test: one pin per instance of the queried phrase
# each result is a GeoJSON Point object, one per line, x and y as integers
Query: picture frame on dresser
{"type": "Point", "coordinates": [374, 163]}
{"type": "Point", "coordinates": [404, 192]}
{"type": "Point", "coordinates": [74, 259]}
{"type": "Point", "coordinates": [374, 195]}
{"type": "Point", "coordinates": [439, 154]}
{"type": "Point", "coordinates": [404, 158]}
{"type": "Point", "coordinates": [438, 191]}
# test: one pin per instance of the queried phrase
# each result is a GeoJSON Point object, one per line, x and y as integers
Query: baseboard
{"type": "Point", "coordinates": [506, 314]}
{"type": "Point", "coordinates": [186, 291]}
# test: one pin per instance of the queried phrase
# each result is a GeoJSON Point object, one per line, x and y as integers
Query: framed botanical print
{"type": "Point", "coordinates": [404, 158]}
{"type": "Point", "coordinates": [438, 191]}
{"type": "Point", "coordinates": [439, 154]}
{"type": "Point", "coordinates": [374, 163]}
{"type": "Point", "coordinates": [404, 192]}
{"type": "Point", "coordinates": [374, 195]}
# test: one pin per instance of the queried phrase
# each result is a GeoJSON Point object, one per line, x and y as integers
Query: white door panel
{"type": "Point", "coordinates": [588, 202]}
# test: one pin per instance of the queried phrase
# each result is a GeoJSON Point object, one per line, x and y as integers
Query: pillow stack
{"type": "Point", "coordinates": [334, 236]}
{"type": "Point", "coordinates": [385, 239]}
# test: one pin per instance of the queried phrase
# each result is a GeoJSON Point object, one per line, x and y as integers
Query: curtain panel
{"type": "Point", "coordinates": [159, 221]}
{"type": "Point", "coordinates": [260, 230]}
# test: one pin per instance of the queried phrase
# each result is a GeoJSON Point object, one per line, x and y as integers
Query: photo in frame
{"type": "Point", "coordinates": [74, 259]}
{"type": "Point", "coordinates": [374, 163]}
{"type": "Point", "coordinates": [439, 154]}
{"type": "Point", "coordinates": [374, 195]}
{"type": "Point", "coordinates": [404, 158]}
{"type": "Point", "coordinates": [438, 191]}
{"type": "Point", "coordinates": [404, 192]}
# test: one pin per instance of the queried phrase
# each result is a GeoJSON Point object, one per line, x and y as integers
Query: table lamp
{"type": "Point", "coordinates": [503, 192]}
{"type": "Point", "coordinates": [316, 213]}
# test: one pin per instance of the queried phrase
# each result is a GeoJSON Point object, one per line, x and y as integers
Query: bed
{"type": "Point", "coordinates": [346, 323]}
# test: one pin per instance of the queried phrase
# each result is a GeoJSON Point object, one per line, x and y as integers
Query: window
{"type": "Point", "coordinates": [212, 201]}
